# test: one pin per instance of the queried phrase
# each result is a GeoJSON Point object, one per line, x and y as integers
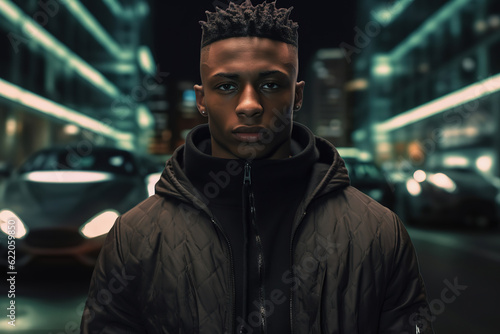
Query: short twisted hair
{"type": "Point", "coordinates": [246, 20]}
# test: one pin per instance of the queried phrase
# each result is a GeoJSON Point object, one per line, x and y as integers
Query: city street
{"type": "Point", "coordinates": [461, 269]}
{"type": "Point", "coordinates": [49, 299]}
{"type": "Point", "coordinates": [469, 261]}
{"type": "Point", "coordinates": [96, 97]}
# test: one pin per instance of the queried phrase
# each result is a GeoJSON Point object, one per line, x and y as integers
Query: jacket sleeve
{"type": "Point", "coordinates": [405, 309]}
{"type": "Point", "coordinates": [112, 306]}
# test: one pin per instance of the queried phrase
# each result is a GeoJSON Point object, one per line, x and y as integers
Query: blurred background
{"type": "Point", "coordinates": [96, 95]}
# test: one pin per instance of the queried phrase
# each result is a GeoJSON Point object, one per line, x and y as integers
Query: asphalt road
{"type": "Point", "coordinates": [461, 269]}
{"type": "Point", "coordinates": [49, 299]}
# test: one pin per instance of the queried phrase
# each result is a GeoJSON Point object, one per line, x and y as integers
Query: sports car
{"type": "Point", "coordinates": [62, 201]}
{"type": "Point", "coordinates": [448, 195]}
{"type": "Point", "coordinates": [366, 176]}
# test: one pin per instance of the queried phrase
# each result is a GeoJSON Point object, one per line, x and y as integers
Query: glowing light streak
{"type": "Point", "coordinates": [10, 11]}
{"type": "Point", "coordinates": [42, 37]}
{"type": "Point", "coordinates": [456, 161]}
{"type": "Point", "coordinates": [146, 60]}
{"type": "Point", "coordinates": [115, 7]}
{"type": "Point", "coordinates": [88, 21]}
{"type": "Point", "coordinates": [391, 12]}
{"type": "Point", "coordinates": [67, 176]}
{"type": "Point", "coordinates": [428, 27]}
{"type": "Point", "coordinates": [457, 98]}
{"type": "Point", "coordinates": [36, 102]}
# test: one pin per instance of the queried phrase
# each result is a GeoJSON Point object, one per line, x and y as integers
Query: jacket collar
{"type": "Point", "coordinates": [327, 174]}
{"type": "Point", "coordinates": [221, 180]}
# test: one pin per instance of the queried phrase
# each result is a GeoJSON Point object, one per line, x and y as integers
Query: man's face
{"type": "Point", "coordinates": [249, 89]}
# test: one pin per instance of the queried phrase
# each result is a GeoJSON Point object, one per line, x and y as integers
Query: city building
{"type": "Point", "coordinates": [75, 71]}
{"type": "Point", "coordinates": [428, 82]}
{"type": "Point", "coordinates": [327, 108]}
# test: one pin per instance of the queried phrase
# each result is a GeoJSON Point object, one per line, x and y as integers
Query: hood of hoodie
{"type": "Point", "coordinates": [329, 173]}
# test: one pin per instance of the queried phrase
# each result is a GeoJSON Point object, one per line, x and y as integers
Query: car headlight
{"type": "Point", "coordinates": [420, 175]}
{"type": "Point", "coordinates": [413, 187]}
{"type": "Point", "coordinates": [99, 225]}
{"type": "Point", "coordinates": [442, 181]}
{"type": "Point", "coordinates": [151, 181]}
{"type": "Point", "coordinates": [12, 225]}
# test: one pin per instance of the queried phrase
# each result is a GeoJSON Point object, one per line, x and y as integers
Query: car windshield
{"type": "Point", "coordinates": [363, 171]}
{"type": "Point", "coordinates": [103, 160]}
{"type": "Point", "coordinates": [451, 170]}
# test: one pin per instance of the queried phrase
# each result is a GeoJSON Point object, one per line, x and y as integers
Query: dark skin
{"type": "Point", "coordinates": [249, 91]}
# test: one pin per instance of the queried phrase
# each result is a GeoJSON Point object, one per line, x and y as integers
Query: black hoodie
{"type": "Point", "coordinates": [260, 243]}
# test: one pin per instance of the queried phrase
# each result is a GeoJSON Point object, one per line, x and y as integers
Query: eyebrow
{"type": "Point", "coordinates": [236, 76]}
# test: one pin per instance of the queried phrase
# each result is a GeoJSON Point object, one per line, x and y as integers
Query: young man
{"type": "Point", "coordinates": [254, 227]}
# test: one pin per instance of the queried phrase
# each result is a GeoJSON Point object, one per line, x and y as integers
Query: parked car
{"type": "Point", "coordinates": [455, 195]}
{"type": "Point", "coordinates": [153, 169]}
{"type": "Point", "coordinates": [62, 201]}
{"type": "Point", "coordinates": [366, 176]}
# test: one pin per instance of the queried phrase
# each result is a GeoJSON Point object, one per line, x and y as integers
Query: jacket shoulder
{"type": "Point", "coordinates": [158, 221]}
{"type": "Point", "coordinates": [365, 204]}
{"type": "Point", "coordinates": [351, 202]}
{"type": "Point", "coordinates": [354, 215]}
{"type": "Point", "coordinates": [138, 230]}
{"type": "Point", "coordinates": [147, 207]}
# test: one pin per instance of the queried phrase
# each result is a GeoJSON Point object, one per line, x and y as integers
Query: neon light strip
{"type": "Point", "coordinates": [115, 7]}
{"type": "Point", "coordinates": [394, 11]}
{"type": "Point", "coordinates": [146, 60]}
{"type": "Point", "coordinates": [68, 176]}
{"type": "Point", "coordinates": [10, 11]}
{"type": "Point", "coordinates": [88, 21]}
{"type": "Point", "coordinates": [37, 34]}
{"type": "Point", "coordinates": [461, 96]}
{"type": "Point", "coordinates": [26, 98]}
{"type": "Point", "coordinates": [429, 26]}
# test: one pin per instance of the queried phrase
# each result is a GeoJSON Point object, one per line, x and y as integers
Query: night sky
{"type": "Point", "coordinates": [177, 33]}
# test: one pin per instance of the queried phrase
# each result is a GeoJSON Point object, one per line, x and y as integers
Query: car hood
{"type": "Point", "coordinates": [472, 184]}
{"type": "Point", "coordinates": [70, 204]}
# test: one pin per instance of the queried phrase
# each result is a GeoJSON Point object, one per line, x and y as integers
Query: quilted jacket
{"type": "Point", "coordinates": [166, 265]}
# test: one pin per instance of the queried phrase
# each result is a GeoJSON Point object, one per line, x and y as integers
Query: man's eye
{"type": "Point", "coordinates": [226, 87]}
{"type": "Point", "coordinates": [270, 85]}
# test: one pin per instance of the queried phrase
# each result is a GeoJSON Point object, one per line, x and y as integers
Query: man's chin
{"type": "Point", "coordinates": [251, 151]}
{"type": "Point", "coordinates": [259, 151]}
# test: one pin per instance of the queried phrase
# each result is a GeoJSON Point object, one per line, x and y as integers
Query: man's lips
{"type": "Point", "coordinates": [250, 134]}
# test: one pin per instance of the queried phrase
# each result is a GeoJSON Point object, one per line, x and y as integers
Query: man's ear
{"type": "Point", "coordinates": [299, 94]}
{"type": "Point", "coordinates": [200, 99]}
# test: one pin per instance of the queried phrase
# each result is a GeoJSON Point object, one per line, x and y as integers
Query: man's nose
{"type": "Point", "coordinates": [249, 104]}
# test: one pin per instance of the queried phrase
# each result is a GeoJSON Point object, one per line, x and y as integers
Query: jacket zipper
{"type": "Point", "coordinates": [247, 182]}
{"type": "Point", "coordinates": [233, 289]}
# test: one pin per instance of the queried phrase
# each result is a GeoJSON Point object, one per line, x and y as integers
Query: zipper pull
{"type": "Point", "coordinates": [247, 178]}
